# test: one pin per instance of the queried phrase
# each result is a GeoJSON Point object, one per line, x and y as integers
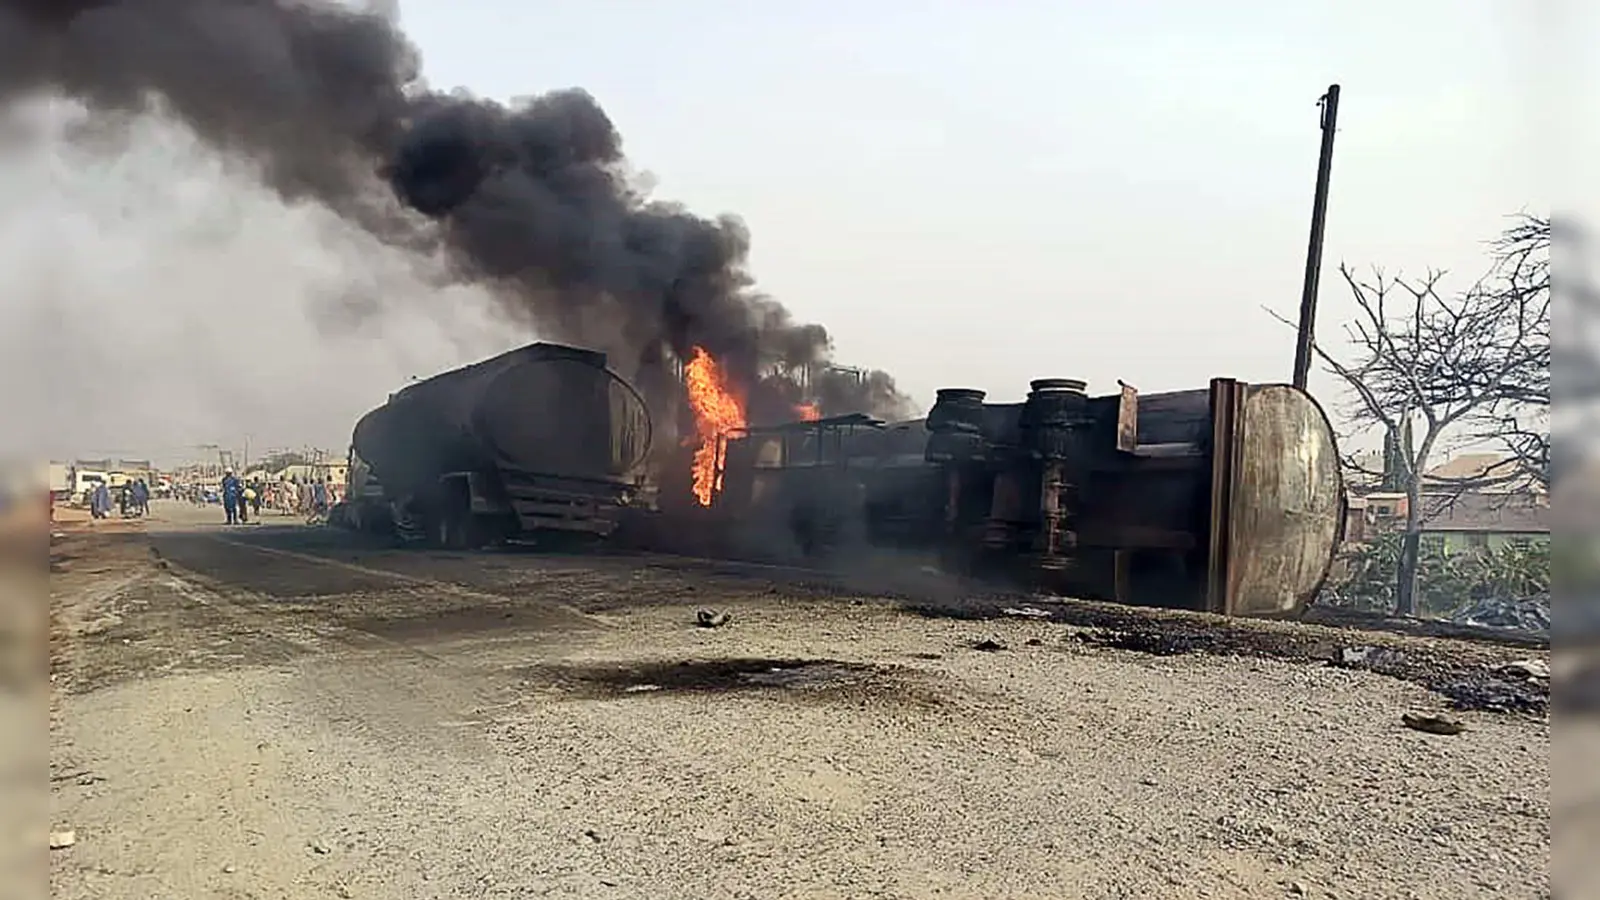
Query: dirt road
{"type": "Point", "coordinates": [275, 712]}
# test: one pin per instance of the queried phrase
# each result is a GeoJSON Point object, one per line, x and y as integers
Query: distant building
{"type": "Point", "coordinates": [1485, 521]}
{"type": "Point", "coordinates": [1462, 521]}
{"type": "Point", "coordinates": [1358, 520]}
{"type": "Point", "coordinates": [335, 471]}
{"type": "Point", "coordinates": [1490, 473]}
{"type": "Point", "coordinates": [1384, 506]}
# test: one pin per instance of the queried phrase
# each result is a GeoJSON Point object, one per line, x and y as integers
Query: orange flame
{"type": "Point", "coordinates": [717, 412]}
{"type": "Point", "coordinates": [808, 412]}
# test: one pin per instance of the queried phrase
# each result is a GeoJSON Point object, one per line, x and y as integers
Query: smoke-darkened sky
{"type": "Point", "coordinates": [532, 200]}
{"type": "Point", "coordinates": [962, 194]}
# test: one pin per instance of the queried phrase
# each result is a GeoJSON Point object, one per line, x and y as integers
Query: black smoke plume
{"type": "Point", "coordinates": [534, 200]}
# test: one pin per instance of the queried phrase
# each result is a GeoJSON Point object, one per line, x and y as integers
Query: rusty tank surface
{"type": "Point", "coordinates": [1226, 499]}
{"type": "Point", "coordinates": [542, 438]}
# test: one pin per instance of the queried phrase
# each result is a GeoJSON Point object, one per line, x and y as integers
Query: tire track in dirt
{"type": "Point", "coordinates": [443, 587]}
{"type": "Point", "coordinates": [308, 634]}
{"type": "Point", "coordinates": [338, 669]}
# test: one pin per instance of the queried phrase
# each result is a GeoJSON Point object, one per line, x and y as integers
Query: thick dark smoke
{"type": "Point", "coordinates": [533, 200]}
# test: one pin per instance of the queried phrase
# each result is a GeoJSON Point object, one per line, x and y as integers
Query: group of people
{"type": "Point", "coordinates": [243, 499]}
{"type": "Point", "coordinates": [132, 499]}
{"type": "Point", "coordinates": [238, 497]}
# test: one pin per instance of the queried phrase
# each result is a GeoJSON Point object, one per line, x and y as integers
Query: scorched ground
{"type": "Point", "coordinates": [283, 712]}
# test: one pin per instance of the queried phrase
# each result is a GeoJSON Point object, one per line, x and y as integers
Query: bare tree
{"type": "Point", "coordinates": [1516, 414]}
{"type": "Point", "coordinates": [1425, 366]}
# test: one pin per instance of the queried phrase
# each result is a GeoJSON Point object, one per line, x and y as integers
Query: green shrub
{"type": "Point", "coordinates": [1446, 580]}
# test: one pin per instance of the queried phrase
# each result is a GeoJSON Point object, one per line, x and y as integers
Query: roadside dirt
{"type": "Point", "coordinates": [1471, 675]}
{"type": "Point", "coordinates": [278, 712]}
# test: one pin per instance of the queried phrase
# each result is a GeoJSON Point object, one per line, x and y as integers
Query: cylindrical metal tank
{"type": "Point", "coordinates": [1055, 410]}
{"type": "Point", "coordinates": [955, 425]}
{"type": "Point", "coordinates": [1287, 507]}
{"type": "Point", "coordinates": [543, 409]}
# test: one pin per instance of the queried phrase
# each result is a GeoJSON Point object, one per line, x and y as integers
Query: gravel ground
{"type": "Point", "coordinates": [276, 712]}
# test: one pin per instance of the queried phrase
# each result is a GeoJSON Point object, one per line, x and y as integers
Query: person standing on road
{"type": "Point", "coordinates": [141, 497]}
{"type": "Point", "coordinates": [100, 500]}
{"type": "Point", "coordinates": [319, 498]}
{"type": "Point", "coordinates": [232, 494]}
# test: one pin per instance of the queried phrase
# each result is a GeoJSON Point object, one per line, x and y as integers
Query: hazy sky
{"type": "Point", "coordinates": [964, 193]}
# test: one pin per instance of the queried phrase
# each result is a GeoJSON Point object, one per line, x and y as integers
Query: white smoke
{"type": "Point", "coordinates": [154, 297]}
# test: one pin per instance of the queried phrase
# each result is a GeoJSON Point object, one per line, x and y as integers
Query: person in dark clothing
{"type": "Point", "coordinates": [124, 495]}
{"type": "Point", "coordinates": [255, 498]}
{"type": "Point", "coordinates": [141, 498]}
{"type": "Point", "coordinates": [232, 496]}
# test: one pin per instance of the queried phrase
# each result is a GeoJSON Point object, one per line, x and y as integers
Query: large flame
{"type": "Point", "coordinates": [717, 412]}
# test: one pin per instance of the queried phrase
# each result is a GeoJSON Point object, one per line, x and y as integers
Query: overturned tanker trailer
{"type": "Point", "coordinates": [541, 442]}
{"type": "Point", "coordinates": [1227, 499]}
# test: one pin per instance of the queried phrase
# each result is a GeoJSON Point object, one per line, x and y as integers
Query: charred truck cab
{"type": "Point", "coordinates": [539, 444]}
{"type": "Point", "coordinates": [1227, 499]}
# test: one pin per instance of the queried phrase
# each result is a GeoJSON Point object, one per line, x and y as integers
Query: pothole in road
{"type": "Point", "coordinates": [707, 676]}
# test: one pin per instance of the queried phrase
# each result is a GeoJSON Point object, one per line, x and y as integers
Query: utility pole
{"type": "Point", "coordinates": [1319, 218]}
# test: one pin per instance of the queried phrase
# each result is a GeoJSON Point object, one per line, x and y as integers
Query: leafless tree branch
{"type": "Point", "coordinates": [1516, 414]}
{"type": "Point", "coordinates": [1423, 363]}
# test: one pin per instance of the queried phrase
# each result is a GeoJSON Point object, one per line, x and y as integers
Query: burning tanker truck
{"type": "Point", "coordinates": [1226, 499]}
{"type": "Point", "coordinates": [543, 443]}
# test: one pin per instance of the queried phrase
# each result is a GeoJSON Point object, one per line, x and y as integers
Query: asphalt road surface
{"type": "Point", "coordinates": [279, 711]}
